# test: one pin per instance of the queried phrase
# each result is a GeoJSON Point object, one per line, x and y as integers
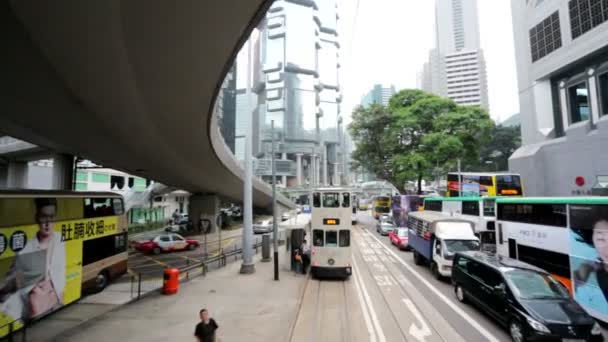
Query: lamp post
{"type": "Point", "coordinates": [274, 206]}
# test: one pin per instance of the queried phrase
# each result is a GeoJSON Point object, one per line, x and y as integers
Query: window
{"type": "Point", "coordinates": [331, 200]}
{"type": "Point", "coordinates": [344, 238]}
{"type": "Point", "coordinates": [537, 213]}
{"type": "Point", "coordinates": [470, 208]}
{"type": "Point", "coordinates": [331, 238]}
{"type": "Point", "coordinates": [102, 206]}
{"type": "Point", "coordinates": [433, 205]}
{"type": "Point", "coordinates": [586, 14]}
{"type": "Point", "coordinates": [177, 238]}
{"type": "Point", "coordinates": [552, 262]}
{"type": "Point", "coordinates": [316, 200]}
{"type": "Point", "coordinates": [165, 238]}
{"type": "Point", "coordinates": [104, 247]}
{"type": "Point", "coordinates": [603, 83]}
{"type": "Point", "coordinates": [488, 208]}
{"type": "Point", "coordinates": [508, 185]}
{"type": "Point", "coordinates": [345, 200]}
{"type": "Point", "coordinates": [578, 95]}
{"type": "Point", "coordinates": [318, 239]}
{"type": "Point", "coordinates": [462, 263]}
{"type": "Point", "coordinates": [545, 37]}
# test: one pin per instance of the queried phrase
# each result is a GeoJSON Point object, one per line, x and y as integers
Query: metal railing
{"type": "Point", "coordinates": [14, 332]}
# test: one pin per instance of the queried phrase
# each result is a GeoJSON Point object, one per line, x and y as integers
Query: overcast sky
{"type": "Point", "coordinates": [387, 41]}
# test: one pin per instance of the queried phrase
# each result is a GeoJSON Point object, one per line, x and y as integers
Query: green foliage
{"type": "Point", "coordinates": [417, 133]}
{"type": "Point", "coordinates": [495, 154]}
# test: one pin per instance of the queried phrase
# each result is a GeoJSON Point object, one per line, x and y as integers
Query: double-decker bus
{"type": "Point", "coordinates": [402, 205]}
{"type": "Point", "coordinates": [331, 233]}
{"type": "Point", "coordinates": [381, 205]}
{"type": "Point", "coordinates": [54, 246]}
{"type": "Point", "coordinates": [479, 210]}
{"type": "Point", "coordinates": [566, 236]}
{"type": "Point", "coordinates": [484, 184]}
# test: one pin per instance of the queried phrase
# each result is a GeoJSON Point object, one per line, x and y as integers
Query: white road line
{"type": "Point", "coordinates": [368, 300]}
{"type": "Point", "coordinates": [483, 331]}
{"type": "Point", "coordinates": [368, 323]}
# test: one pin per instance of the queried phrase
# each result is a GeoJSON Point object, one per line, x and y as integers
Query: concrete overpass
{"type": "Point", "coordinates": [128, 84]}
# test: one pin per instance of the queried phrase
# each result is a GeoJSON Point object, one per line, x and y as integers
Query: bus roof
{"type": "Point", "coordinates": [431, 216]}
{"type": "Point", "coordinates": [337, 188]}
{"type": "Point", "coordinates": [554, 200]}
{"type": "Point", "coordinates": [54, 193]}
{"type": "Point", "coordinates": [457, 199]}
{"type": "Point", "coordinates": [484, 173]}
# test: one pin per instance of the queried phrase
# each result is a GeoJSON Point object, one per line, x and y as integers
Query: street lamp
{"type": "Point", "coordinates": [488, 162]}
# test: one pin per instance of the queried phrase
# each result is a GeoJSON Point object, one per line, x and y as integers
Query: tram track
{"type": "Point", "coordinates": [324, 312]}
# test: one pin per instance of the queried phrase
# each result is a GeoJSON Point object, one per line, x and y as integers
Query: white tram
{"type": "Point", "coordinates": [331, 233]}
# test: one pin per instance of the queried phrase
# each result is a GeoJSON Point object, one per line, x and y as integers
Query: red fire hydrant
{"type": "Point", "coordinates": [170, 281]}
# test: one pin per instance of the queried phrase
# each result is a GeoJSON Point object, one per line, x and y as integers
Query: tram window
{"type": "Point", "coordinates": [331, 200]}
{"type": "Point", "coordinates": [317, 238]}
{"type": "Point", "coordinates": [344, 238]}
{"type": "Point", "coordinates": [331, 238]}
{"type": "Point", "coordinates": [316, 200]}
{"type": "Point", "coordinates": [345, 200]}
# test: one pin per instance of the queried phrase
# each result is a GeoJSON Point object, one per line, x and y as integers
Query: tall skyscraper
{"type": "Point", "coordinates": [378, 95]}
{"type": "Point", "coordinates": [456, 66]}
{"type": "Point", "coordinates": [295, 81]}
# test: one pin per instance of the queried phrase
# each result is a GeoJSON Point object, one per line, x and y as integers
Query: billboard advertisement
{"type": "Point", "coordinates": [589, 257]}
{"type": "Point", "coordinates": [41, 248]}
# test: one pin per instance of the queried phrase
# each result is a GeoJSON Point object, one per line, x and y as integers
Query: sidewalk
{"type": "Point", "coordinates": [252, 307]}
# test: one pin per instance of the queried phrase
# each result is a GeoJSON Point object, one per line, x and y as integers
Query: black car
{"type": "Point", "coordinates": [525, 299]}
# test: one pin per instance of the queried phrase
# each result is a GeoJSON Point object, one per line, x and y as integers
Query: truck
{"type": "Point", "coordinates": [435, 237]}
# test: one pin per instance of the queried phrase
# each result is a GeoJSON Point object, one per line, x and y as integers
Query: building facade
{"type": "Point", "coordinates": [456, 67]}
{"type": "Point", "coordinates": [378, 95]}
{"type": "Point", "coordinates": [562, 69]}
{"type": "Point", "coordinates": [293, 69]}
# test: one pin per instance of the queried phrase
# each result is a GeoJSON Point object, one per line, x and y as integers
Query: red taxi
{"type": "Point", "coordinates": [165, 243]}
{"type": "Point", "coordinates": [398, 237]}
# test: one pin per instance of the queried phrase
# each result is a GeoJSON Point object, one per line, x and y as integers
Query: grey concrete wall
{"type": "Point", "coordinates": [550, 169]}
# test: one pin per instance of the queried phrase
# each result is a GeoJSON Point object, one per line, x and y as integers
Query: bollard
{"type": "Point", "coordinates": [266, 248]}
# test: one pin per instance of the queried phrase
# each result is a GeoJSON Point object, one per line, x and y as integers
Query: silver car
{"type": "Point", "coordinates": [262, 226]}
{"type": "Point", "coordinates": [385, 227]}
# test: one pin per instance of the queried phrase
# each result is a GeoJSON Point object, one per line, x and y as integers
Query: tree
{"type": "Point", "coordinates": [416, 133]}
{"type": "Point", "coordinates": [495, 155]}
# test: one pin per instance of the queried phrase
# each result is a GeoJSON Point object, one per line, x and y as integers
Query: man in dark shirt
{"type": "Point", "coordinates": [205, 330]}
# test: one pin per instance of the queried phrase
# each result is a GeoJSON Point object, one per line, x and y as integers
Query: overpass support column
{"type": "Point", "coordinates": [17, 174]}
{"type": "Point", "coordinates": [63, 172]}
{"type": "Point", "coordinates": [299, 168]}
{"type": "Point", "coordinates": [3, 175]}
{"type": "Point", "coordinates": [284, 178]}
{"type": "Point", "coordinates": [325, 167]}
{"type": "Point", "coordinates": [204, 207]}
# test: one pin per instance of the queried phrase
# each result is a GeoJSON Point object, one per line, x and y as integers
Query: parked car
{"type": "Point", "coordinates": [385, 227]}
{"type": "Point", "coordinates": [262, 226]}
{"type": "Point", "coordinates": [524, 298]}
{"type": "Point", "coordinates": [165, 243]}
{"type": "Point", "coordinates": [399, 238]}
{"type": "Point", "coordinates": [386, 218]}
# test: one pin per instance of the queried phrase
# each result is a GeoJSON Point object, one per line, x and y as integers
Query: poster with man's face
{"type": "Point", "coordinates": [589, 257]}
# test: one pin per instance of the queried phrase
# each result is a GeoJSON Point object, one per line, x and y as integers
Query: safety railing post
{"type": "Point", "coordinates": [138, 285]}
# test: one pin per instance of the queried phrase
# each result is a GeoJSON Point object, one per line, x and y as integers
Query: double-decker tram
{"type": "Point", "coordinates": [331, 233]}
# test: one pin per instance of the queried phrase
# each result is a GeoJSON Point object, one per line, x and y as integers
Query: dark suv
{"type": "Point", "coordinates": [525, 299]}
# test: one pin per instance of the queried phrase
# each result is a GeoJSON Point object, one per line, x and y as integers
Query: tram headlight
{"type": "Point", "coordinates": [331, 262]}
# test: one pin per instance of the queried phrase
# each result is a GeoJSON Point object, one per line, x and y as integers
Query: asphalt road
{"type": "Point", "coordinates": [388, 298]}
{"type": "Point", "coordinates": [152, 266]}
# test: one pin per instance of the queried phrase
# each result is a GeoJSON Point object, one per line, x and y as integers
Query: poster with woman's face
{"type": "Point", "coordinates": [589, 257]}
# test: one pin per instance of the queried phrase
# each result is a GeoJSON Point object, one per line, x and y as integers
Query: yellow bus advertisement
{"type": "Point", "coordinates": [41, 255]}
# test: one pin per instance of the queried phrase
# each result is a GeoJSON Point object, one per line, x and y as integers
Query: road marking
{"type": "Point", "coordinates": [441, 296]}
{"type": "Point", "coordinates": [368, 300]}
{"type": "Point", "coordinates": [164, 264]}
{"type": "Point", "coordinates": [419, 333]}
{"type": "Point", "coordinates": [368, 323]}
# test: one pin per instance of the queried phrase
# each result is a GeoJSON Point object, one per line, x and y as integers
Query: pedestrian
{"type": "Point", "coordinates": [305, 256]}
{"type": "Point", "coordinates": [175, 216]}
{"type": "Point", "coordinates": [205, 329]}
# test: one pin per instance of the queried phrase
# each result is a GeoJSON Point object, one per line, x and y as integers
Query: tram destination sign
{"type": "Point", "coordinates": [331, 221]}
